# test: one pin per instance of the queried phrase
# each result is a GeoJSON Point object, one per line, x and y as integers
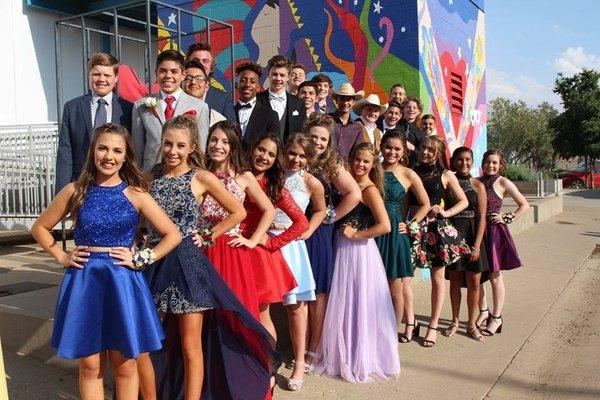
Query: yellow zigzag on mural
{"type": "Point", "coordinates": [294, 11]}
{"type": "Point", "coordinates": [314, 56]}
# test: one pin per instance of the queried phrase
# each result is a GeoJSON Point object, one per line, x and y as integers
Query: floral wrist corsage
{"type": "Point", "coordinates": [143, 258]}
{"type": "Point", "coordinates": [508, 217]}
{"type": "Point", "coordinates": [413, 228]}
{"type": "Point", "coordinates": [206, 236]}
{"type": "Point", "coordinates": [329, 215]}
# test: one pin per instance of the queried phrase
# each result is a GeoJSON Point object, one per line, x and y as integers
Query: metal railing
{"type": "Point", "coordinates": [27, 169]}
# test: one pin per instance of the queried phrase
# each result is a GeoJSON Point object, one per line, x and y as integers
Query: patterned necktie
{"type": "Point", "coordinates": [170, 110]}
{"type": "Point", "coordinates": [100, 117]}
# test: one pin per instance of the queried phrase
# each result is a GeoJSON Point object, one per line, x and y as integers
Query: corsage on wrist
{"type": "Point", "coordinates": [413, 227]}
{"type": "Point", "coordinates": [508, 217]}
{"type": "Point", "coordinates": [206, 236]}
{"type": "Point", "coordinates": [329, 215]}
{"type": "Point", "coordinates": [143, 258]}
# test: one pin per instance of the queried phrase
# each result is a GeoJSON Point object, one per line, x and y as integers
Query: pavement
{"type": "Point", "coordinates": [549, 347]}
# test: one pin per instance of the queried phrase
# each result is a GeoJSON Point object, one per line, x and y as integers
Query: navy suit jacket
{"type": "Point", "coordinates": [220, 101]}
{"type": "Point", "coordinates": [75, 135]}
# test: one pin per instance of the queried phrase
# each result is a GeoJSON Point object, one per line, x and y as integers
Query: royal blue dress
{"type": "Point", "coordinates": [239, 354]}
{"type": "Point", "coordinates": [102, 306]}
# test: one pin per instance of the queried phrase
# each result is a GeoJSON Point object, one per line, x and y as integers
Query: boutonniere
{"type": "Point", "coordinates": [190, 114]}
{"type": "Point", "coordinates": [295, 112]}
{"type": "Point", "coordinates": [151, 104]}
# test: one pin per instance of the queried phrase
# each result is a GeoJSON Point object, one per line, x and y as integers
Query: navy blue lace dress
{"type": "Point", "coordinates": [102, 306]}
{"type": "Point", "coordinates": [239, 354]}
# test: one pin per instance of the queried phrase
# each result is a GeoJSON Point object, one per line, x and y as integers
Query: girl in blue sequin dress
{"type": "Point", "coordinates": [104, 307]}
{"type": "Point", "coordinates": [206, 324]}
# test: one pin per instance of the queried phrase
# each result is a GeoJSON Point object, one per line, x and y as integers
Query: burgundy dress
{"type": "Point", "coordinates": [271, 273]}
{"type": "Point", "coordinates": [501, 250]}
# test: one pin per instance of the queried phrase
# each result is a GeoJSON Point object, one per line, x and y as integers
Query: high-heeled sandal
{"type": "Point", "coordinates": [486, 320]}
{"type": "Point", "coordinates": [295, 385]}
{"type": "Point", "coordinates": [403, 338]}
{"type": "Point", "coordinates": [451, 330]}
{"type": "Point", "coordinates": [307, 366]}
{"type": "Point", "coordinates": [488, 332]}
{"type": "Point", "coordinates": [474, 333]}
{"type": "Point", "coordinates": [427, 342]}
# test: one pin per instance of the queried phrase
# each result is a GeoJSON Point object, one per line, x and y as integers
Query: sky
{"type": "Point", "coordinates": [530, 41]}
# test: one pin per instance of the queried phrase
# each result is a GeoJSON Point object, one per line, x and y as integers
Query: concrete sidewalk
{"type": "Point", "coordinates": [456, 368]}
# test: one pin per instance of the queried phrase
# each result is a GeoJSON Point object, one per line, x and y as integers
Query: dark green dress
{"type": "Point", "coordinates": [395, 246]}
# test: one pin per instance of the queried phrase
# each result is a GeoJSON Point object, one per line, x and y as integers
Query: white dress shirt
{"type": "Point", "coordinates": [244, 114]}
{"type": "Point", "coordinates": [386, 127]}
{"type": "Point", "coordinates": [94, 106]}
{"type": "Point", "coordinates": [163, 96]}
{"type": "Point", "coordinates": [278, 102]}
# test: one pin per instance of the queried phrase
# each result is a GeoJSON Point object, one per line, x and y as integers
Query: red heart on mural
{"type": "Point", "coordinates": [455, 80]}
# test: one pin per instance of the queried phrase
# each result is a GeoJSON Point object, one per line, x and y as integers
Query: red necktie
{"type": "Point", "coordinates": [170, 110]}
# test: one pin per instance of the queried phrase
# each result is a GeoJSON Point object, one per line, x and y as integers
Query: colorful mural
{"type": "Point", "coordinates": [435, 48]}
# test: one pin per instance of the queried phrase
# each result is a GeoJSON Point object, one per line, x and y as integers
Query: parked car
{"type": "Point", "coordinates": [578, 178]}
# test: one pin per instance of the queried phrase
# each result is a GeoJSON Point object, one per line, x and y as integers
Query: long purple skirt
{"type": "Point", "coordinates": [501, 250]}
{"type": "Point", "coordinates": [359, 341]}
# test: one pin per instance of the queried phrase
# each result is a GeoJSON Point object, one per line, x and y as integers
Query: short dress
{"type": "Point", "coordinates": [320, 244]}
{"type": "Point", "coordinates": [294, 253]}
{"type": "Point", "coordinates": [104, 306]}
{"type": "Point", "coordinates": [437, 243]}
{"type": "Point", "coordinates": [501, 250]}
{"type": "Point", "coordinates": [466, 223]}
{"type": "Point", "coordinates": [395, 246]}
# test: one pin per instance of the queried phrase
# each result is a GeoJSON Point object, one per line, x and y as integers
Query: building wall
{"type": "Point", "coordinates": [372, 44]}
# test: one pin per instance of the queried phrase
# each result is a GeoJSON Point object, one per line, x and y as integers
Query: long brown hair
{"type": "Point", "coordinates": [396, 134]}
{"type": "Point", "coordinates": [328, 163]}
{"type": "Point", "coordinates": [375, 174]}
{"type": "Point", "coordinates": [440, 149]}
{"type": "Point", "coordinates": [306, 143]}
{"type": "Point", "coordinates": [276, 174]}
{"type": "Point", "coordinates": [195, 158]}
{"type": "Point", "coordinates": [130, 172]}
{"type": "Point", "coordinates": [237, 160]}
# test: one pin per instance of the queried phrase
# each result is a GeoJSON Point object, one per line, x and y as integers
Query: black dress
{"type": "Point", "coordinates": [466, 223]}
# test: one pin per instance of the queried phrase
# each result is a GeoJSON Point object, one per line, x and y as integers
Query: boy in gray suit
{"type": "Point", "coordinates": [150, 113]}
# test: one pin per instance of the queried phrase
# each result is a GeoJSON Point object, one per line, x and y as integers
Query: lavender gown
{"type": "Point", "coordinates": [501, 250]}
{"type": "Point", "coordinates": [359, 341]}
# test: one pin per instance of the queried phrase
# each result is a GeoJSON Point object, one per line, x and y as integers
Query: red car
{"type": "Point", "coordinates": [579, 179]}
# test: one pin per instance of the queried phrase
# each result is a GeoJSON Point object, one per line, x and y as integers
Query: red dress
{"type": "Point", "coordinates": [232, 263]}
{"type": "Point", "coordinates": [271, 272]}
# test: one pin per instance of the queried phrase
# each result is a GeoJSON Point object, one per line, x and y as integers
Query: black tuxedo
{"type": "Point", "coordinates": [293, 117]}
{"type": "Point", "coordinates": [414, 136]}
{"type": "Point", "coordinates": [75, 134]}
{"type": "Point", "coordinates": [263, 119]}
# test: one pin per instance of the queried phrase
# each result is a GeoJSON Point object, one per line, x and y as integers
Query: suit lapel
{"type": "Point", "coordinates": [117, 112]}
{"type": "Point", "coordinates": [86, 112]}
{"type": "Point", "coordinates": [254, 116]}
{"type": "Point", "coordinates": [181, 104]}
{"type": "Point", "coordinates": [159, 108]}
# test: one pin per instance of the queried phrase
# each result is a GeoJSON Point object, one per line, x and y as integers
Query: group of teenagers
{"type": "Point", "coordinates": [188, 229]}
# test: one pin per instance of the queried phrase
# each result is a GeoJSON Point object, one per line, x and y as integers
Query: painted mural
{"type": "Point", "coordinates": [427, 45]}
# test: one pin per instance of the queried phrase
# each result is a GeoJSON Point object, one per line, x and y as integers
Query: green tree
{"type": "Point", "coordinates": [522, 133]}
{"type": "Point", "coordinates": [578, 126]}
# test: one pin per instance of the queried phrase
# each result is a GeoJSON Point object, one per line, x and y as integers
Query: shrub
{"type": "Point", "coordinates": [520, 173]}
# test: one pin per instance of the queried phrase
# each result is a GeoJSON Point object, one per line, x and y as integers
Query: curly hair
{"type": "Point", "coordinates": [254, 67]}
{"type": "Point", "coordinates": [276, 174]}
{"type": "Point", "coordinates": [237, 159]}
{"type": "Point", "coordinates": [130, 172]}
{"type": "Point", "coordinates": [375, 174]}
{"type": "Point", "coordinates": [329, 163]}
{"type": "Point", "coordinates": [419, 106]}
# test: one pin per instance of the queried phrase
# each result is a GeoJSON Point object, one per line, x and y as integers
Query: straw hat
{"type": "Point", "coordinates": [346, 89]}
{"type": "Point", "coordinates": [371, 99]}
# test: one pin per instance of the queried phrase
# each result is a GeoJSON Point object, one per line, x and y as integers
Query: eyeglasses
{"type": "Point", "coordinates": [199, 79]}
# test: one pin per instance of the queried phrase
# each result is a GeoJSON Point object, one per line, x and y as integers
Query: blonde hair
{"type": "Point", "coordinates": [328, 163]}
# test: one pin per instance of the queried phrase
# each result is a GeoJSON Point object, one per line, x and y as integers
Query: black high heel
{"type": "Point", "coordinates": [487, 332]}
{"type": "Point", "coordinates": [487, 320]}
{"type": "Point", "coordinates": [426, 342]}
{"type": "Point", "coordinates": [402, 338]}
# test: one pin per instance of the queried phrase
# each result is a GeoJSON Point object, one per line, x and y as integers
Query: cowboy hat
{"type": "Point", "coordinates": [346, 89]}
{"type": "Point", "coordinates": [371, 99]}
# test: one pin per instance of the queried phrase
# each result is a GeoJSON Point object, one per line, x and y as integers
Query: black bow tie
{"type": "Point", "coordinates": [241, 105]}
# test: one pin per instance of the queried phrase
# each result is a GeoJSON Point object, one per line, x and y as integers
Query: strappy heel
{"type": "Point", "coordinates": [474, 333]}
{"type": "Point", "coordinates": [403, 338]}
{"type": "Point", "coordinates": [486, 320]}
{"type": "Point", "coordinates": [451, 330]}
{"type": "Point", "coordinates": [488, 332]}
{"type": "Point", "coordinates": [427, 342]}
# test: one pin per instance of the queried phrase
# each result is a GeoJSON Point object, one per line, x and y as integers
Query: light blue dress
{"type": "Point", "coordinates": [295, 253]}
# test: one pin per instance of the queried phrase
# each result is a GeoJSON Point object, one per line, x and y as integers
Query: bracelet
{"type": "Point", "coordinates": [206, 235]}
{"type": "Point", "coordinates": [508, 217]}
{"type": "Point", "coordinates": [143, 258]}
{"type": "Point", "coordinates": [330, 215]}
